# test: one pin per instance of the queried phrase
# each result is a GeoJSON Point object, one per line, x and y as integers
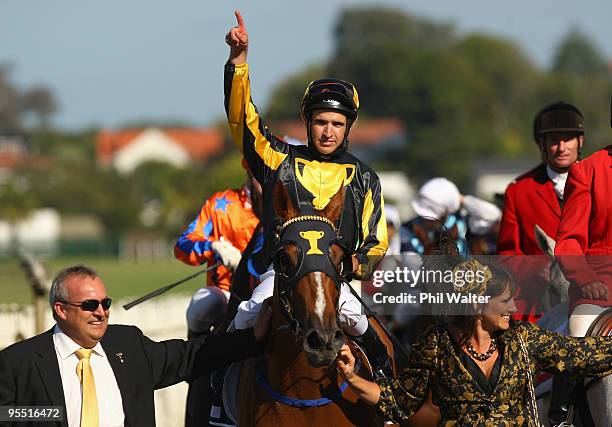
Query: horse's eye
{"type": "Point", "coordinates": [285, 266]}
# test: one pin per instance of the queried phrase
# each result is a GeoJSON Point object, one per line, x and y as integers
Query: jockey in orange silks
{"type": "Point", "coordinates": [220, 233]}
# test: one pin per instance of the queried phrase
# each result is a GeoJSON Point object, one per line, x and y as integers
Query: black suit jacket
{"type": "Point", "coordinates": [29, 372]}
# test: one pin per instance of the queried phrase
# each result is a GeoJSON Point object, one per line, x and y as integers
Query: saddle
{"type": "Point", "coordinates": [231, 382]}
{"type": "Point", "coordinates": [602, 325]}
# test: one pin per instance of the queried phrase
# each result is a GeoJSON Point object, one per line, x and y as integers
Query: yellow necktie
{"type": "Point", "coordinates": [89, 405]}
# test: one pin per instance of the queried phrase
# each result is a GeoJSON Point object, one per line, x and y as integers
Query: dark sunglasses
{"type": "Point", "coordinates": [91, 304]}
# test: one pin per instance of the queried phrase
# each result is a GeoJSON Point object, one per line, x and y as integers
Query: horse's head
{"type": "Point", "coordinates": [309, 261]}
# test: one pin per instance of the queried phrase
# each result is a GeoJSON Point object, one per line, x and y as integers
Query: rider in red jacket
{"type": "Point", "coordinates": [585, 229]}
{"type": "Point", "coordinates": [535, 198]}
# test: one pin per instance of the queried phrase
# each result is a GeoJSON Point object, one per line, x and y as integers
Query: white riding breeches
{"type": "Point", "coordinates": [599, 393]}
{"type": "Point", "coordinates": [350, 316]}
{"type": "Point", "coordinates": [207, 307]}
{"type": "Point", "coordinates": [581, 318]}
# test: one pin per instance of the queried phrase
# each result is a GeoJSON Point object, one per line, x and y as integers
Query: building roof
{"type": "Point", "coordinates": [11, 161]}
{"type": "Point", "coordinates": [199, 143]}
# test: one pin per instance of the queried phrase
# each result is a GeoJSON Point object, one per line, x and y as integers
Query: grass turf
{"type": "Point", "coordinates": [121, 279]}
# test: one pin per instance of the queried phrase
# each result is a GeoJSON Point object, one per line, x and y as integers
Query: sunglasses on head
{"type": "Point", "coordinates": [91, 304]}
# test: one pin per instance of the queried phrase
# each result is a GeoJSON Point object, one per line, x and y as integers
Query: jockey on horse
{"type": "Point", "coordinates": [536, 198]}
{"type": "Point", "coordinates": [221, 232]}
{"type": "Point", "coordinates": [440, 202]}
{"type": "Point", "coordinates": [311, 175]}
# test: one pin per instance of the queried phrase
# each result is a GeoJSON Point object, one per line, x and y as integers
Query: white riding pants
{"type": "Point", "coordinates": [581, 318]}
{"type": "Point", "coordinates": [600, 391]}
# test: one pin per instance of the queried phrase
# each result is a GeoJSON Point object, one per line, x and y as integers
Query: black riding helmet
{"type": "Point", "coordinates": [557, 117]}
{"type": "Point", "coordinates": [331, 95]}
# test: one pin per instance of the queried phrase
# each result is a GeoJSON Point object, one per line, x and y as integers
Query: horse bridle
{"type": "Point", "coordinates": [313, 237]}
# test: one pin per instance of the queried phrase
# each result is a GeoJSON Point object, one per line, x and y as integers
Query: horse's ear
{"type": "Point", "coordinates": [333, 210]}
{"type": "Point", "coordinates": [283, 206]}
{"type": "Point", "coordinates": [545, 242]}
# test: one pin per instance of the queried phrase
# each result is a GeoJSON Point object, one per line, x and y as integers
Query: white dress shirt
{"type": "Point", "coordinates": [110, 405]}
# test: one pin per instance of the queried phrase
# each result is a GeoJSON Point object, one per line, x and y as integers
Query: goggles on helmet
{"type": "Point", "coordinates": [330, 94]}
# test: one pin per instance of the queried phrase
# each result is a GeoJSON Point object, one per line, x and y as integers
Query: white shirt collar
{"type": "Point", "coordinates": [558, 180]}
{"type": "Point", "coordinates": [66, 346]}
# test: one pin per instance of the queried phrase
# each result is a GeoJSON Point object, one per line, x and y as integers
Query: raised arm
{"type": "Point", "coordinates": [238, 40]}
{"type": "Point", "coordinates": [262, 150]}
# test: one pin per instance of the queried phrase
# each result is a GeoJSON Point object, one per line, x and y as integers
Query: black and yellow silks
{"type": "Point", "coordinates": [309, 179]}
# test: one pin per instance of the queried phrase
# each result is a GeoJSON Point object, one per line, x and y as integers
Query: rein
{"type": "Point", "coordinates": [301, 403]}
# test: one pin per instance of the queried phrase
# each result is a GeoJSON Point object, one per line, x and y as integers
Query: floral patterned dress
{"type": "Point", "coordinates": [435, 363]}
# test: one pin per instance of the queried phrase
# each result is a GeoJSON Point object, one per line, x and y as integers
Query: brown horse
{"type": "Point", "coordinates": [296, 383]}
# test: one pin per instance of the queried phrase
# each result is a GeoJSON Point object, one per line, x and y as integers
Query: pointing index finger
{"type": "Point", "coordinates": [239, 20]}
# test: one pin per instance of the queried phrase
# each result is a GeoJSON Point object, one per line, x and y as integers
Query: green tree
{"type": "Point", "coordinates": [17, 202]}
{"type": "Point", "coordinates": [578, 57]}
{"type": "Point", "coordinates": [16, 103]}
{"type": "Point", "coordinates": [580, 75]}
{"type": "Point", "coordinates": [170, 197]}
{"type": "Point", "coordinates": [285, 100]}
{"type": "Point", "coordinates": [460, 98]}
{"type": "Point", "coordinates": [78, 186]}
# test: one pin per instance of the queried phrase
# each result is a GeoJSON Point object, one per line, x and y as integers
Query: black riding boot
{"type": "Point", "coordinates": [376, 351]}
{"type": "Point", "coordinates": [561, 396]}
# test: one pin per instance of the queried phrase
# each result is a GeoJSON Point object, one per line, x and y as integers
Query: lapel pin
{"type": "Point", "coordinates": [120, 356]}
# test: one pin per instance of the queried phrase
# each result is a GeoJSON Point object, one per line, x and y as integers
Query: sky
{"type": "Point", "coordinates": [115, 62]}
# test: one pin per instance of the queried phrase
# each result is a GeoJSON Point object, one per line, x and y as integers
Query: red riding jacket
{"type": "Point", "coordinates": [530, 200]}
{"type": "Point", "coordinates": [586, 226]}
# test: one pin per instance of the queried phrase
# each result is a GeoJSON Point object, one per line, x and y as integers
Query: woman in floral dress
{"type": "Point", "coordinates": [478, 363]}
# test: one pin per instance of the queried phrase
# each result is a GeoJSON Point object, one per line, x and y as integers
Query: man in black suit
{"type": "Point", "coordinates": [105, 374]}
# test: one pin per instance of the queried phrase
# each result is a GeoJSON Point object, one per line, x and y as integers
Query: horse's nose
{"type": "Point", "coordinates": [317, 340]}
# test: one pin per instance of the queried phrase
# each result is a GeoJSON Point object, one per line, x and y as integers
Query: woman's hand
{"type": "Point", "coordinates": [368, 391]}
{"type": "Point", "coordinates": [346, 362]}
